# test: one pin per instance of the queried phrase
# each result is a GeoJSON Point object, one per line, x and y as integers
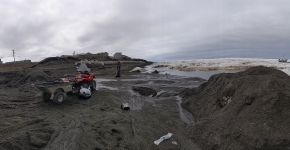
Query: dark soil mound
{"type": "Point", "coordinates": [36, 135]}
{"type": "Point", "coordinates": [245, 110]}
{"type": "Point", "coordinates": [155, 72]}
{"type": "Point", "coordinates": [58, 60]}
{"type": "Point", "coordinates": [145, 91]}
{"type": "Point", "coordinates": [27, 76]}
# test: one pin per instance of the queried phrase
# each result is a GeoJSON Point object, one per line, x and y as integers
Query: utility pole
{"type": "Point", "coordinates": [13, 55]}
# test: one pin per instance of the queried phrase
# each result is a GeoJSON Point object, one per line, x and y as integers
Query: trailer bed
{"type": "Point", "coordinates": [51, 87]}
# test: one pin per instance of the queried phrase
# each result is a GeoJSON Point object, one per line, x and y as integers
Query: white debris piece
{"type": "Point", "coordinates": [174, 142]}
{"type": "Point", "coordinates": [165, 137]}
{"type": "Point", "coordinates": [125, 106]}
{"type": "Point", "coordinates": [138, 69]}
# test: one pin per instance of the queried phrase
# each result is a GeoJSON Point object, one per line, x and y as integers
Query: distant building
{"type": "Point", "coordinates": [1, 61]}
{"type": "Point", "coordinates": [90, 56]}
{"type": "Point", "coordinates": [118, 55]}
{"type": "Point", "coordinates": [25, 61]}
{"type": "Point", "coordinates": [66, 56]}
{"type": "Point", "coordinates": [103, 54]}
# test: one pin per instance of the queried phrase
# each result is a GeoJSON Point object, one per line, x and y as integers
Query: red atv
{"type": "Point", "coordinates": [83, 84]}
{"type": "Point", "coordinates": [84, 79]}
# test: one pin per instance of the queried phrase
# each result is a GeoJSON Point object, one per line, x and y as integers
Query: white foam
{"type": "Point", "coordinates": [223, 64]}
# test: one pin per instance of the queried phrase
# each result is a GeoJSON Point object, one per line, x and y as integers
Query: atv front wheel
{"type": "Point", "coordinates": [59, 97]}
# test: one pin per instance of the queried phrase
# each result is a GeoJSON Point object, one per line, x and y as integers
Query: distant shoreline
{"type": "Point", "coordinates": [223, 64]}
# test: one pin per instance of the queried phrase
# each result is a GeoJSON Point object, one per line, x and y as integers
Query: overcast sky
{"type": "Point", "coordinates": [156, 30]}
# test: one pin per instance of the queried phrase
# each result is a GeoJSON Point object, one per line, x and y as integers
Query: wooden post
{"type": "Point", "coordinates": [13, 55]}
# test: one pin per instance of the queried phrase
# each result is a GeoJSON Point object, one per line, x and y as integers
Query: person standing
{"type": "Point", "coordinates": [118, 73]}
{"type": "Point", "coordinates": [103, 65]}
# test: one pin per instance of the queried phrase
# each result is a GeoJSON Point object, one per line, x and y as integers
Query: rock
{"type": "Point", "coordinates": [145, 91]}
{"type": "Point", "coordinates": [37, 142]}
{"type": "Point", "coordinates": [138, 69]}
{"type": "Point", "coordinates": [160, 66]}
{"type": "Point", "coordinates": [155, 72]}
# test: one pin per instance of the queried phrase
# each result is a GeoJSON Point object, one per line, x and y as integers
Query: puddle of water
{"type": "Point", "coordinates": [127, 80]}
{"type": "Point", "coordinates": [101, 86]}
{"type": "Point", "coordinates": [184, 115]}
{"type": "Point", "coordinates": [202, 74]}
{"type": "Point", "coordinates": [104, 80]}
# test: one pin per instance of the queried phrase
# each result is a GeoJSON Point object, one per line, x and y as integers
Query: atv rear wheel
{"type": "Point", "coordinates": [46, 96]}
{"type": "Point", "coordinates": [59, 97]}
{"type": "Point", "coordinates": [93, 85]}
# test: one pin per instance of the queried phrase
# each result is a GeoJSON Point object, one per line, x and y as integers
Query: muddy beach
{"type": "Point", "coordinates": [243, 110]}
{"type": "Point", "coordinates": [96, 123]}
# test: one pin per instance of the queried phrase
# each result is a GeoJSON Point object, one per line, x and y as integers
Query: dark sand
{"type": "Point", "coordinates": [96, 123]}
{"type": "Point", "coordinates": [246, 110]}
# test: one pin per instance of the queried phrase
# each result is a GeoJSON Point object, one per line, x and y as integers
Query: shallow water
{"type": "Point", "coordinates": [201, 74]}
{"type": "Point", "coordinates": [184, 115]}
{"type": "Point", "coordinates": [101, 86]}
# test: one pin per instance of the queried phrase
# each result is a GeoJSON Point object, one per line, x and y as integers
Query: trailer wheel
{"type": "Point", "coordinates": [93, 85]}
{"type": "Point", "coordinates": [59, 97]}
{"type": "Point", "coordinates": [46, 96]}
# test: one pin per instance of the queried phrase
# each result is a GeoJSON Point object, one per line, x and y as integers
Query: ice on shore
{"type": "Point", "coordinates": [222, 64]}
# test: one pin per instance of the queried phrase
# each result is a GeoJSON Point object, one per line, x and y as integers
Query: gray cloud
{"type": "Point", "coordinates": [154, 30]}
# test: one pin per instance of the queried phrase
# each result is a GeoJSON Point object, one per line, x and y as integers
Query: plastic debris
{"type": "Point", "coordinates": [174, 142]}
{"type": "Point", "coordinates": [165, 137]}
{"type": "Point", "coordinates": [125, 106]}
